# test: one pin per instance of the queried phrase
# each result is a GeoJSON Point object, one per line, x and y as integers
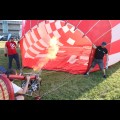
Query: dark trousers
{"type": "Point", "coordinates": [99, 62]}
{"type": "Point", "coordinates": [11, 57]}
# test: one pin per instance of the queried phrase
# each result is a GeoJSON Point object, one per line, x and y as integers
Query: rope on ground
{"type": "Point", "coordinates": [52, 90]}
{"type": "Point", "coordinates": [49, 72]}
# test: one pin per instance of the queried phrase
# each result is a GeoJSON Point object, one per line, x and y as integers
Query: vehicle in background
{"type": "Point", "coordinates": [5, 37]}
{"type": "Point", "coordinates": [1, 36]}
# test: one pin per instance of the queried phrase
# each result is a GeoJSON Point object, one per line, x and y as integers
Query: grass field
{"type": "Point", "coordinates": [65, 86]}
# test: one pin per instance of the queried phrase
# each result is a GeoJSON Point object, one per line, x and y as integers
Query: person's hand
{"type": "Point", "coordinates": [106, 66]}
{"type": "Point", "coordinates": [28, 78]}
{"type": "Point", "coordinates": [5, 54]}
{"type": "Point", "coordinates": [94, 46]}
{"type": "Point", "coordinates": [18, 42]}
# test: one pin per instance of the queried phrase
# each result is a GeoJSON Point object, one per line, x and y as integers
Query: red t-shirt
{"type": "Point", "coordinates": [11, 47]}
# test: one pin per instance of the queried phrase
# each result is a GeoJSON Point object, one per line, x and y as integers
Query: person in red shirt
{"type": "Point", "coordinates": [11, 52]}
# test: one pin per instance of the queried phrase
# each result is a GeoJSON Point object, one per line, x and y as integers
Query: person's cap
{"type": "Point", "coordinates": [104, 44]}
{"type": "Point", "coordinates": [12, 38]}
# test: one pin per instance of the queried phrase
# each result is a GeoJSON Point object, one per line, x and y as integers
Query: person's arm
{"type": "Point", "coordinates": [94, 46]}
{"type": "Point", "coordinates": [107, 59]}
{"type": "Point", "coordinates": [17, 45]}
{"type": "Point", "coordinates": [5, 51]}
{"type": "Point", "coordinates": [26, 85]}
{"type": "Point", "coordinates": [24, 90]}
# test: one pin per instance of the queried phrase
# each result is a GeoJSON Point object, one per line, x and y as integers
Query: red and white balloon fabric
{"type": "Point", "coordinates": [75, 38]}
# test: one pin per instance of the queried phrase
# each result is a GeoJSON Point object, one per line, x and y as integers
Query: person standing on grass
{"type": "Point", "coordinates": [11, 52]}
{"type": "Point", "coordinates": [98, 59]}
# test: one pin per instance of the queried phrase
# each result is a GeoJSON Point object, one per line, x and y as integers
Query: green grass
{"type": "Point", "coordinates": [65, 86]}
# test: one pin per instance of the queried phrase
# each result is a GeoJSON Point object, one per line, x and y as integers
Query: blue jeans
{"type": "Point", "coordinates": [11, 57]}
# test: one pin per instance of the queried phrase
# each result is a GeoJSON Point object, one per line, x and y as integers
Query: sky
{"type": "Point", "coordinates": [14, 20]}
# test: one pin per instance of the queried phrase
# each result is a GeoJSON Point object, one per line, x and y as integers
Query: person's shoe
{"type": "Point", "coordinates": [86, 74]}
{"type": "Point", "coordinates": [104, 76]}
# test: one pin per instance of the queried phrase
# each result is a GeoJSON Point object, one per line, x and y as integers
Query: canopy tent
{"type": "Point", "coordinates": [75, 37]}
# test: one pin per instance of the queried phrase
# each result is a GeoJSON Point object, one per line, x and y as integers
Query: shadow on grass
{"type": "Point", "coordinates": [65, 86]}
